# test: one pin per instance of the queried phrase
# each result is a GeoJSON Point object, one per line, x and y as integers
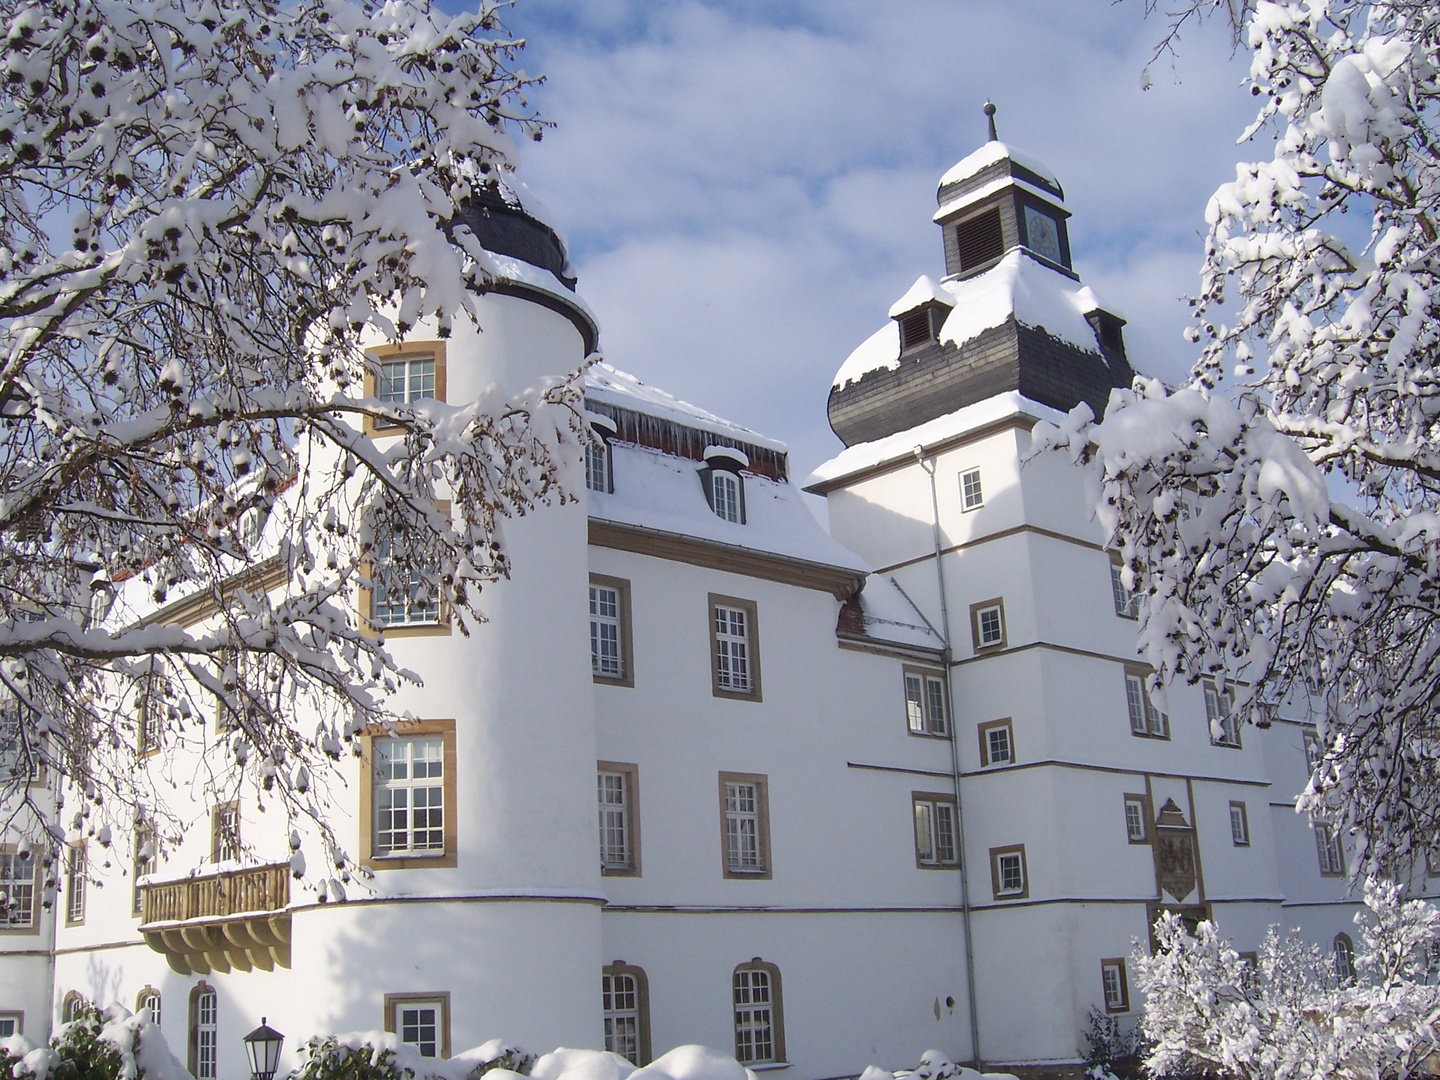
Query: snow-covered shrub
{"type": "Point", "coordinates": [1111, 1047]}
{"type": "Point", "coordinates": [109, 1044]}
{"type": "Point", "coordinates": [1286, 1015]}
{"type": "Point", "coordinates": [934, 1065]}
{"type": "Point", "coordinates": [380, 1055]}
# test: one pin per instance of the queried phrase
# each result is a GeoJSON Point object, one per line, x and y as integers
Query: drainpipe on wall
{"type": "Point", "coordinates": [928, 465]}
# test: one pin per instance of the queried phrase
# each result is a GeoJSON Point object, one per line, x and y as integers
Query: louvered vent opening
{"type": "Point", "coordinates": [915, 328]}
{"type": "Point", "coordinates": [979, 239]}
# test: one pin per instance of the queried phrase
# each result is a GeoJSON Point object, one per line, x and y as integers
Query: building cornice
{"type": "Point", "coordinates": [264, 576]}
{"type": "Point", "coordinates": [839, 581]}
{"type": "Point", "coordinates": [903, 459]}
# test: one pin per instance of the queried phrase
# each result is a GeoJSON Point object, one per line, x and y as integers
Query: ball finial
{"type": "Point", "coordinates": [990, 119]}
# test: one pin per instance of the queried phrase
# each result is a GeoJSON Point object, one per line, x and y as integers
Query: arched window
{"type": "Point", "coordinates": [204, 1043]}
{"type": "Point", "coordinates": [71, 1006]}
{"type": "Point", "coordinates": [1344, 956]}
{"type": "Point", "coordinates": [149, 998]}
{"type": "Point", "coordinates": [759, 1016]}
{"type": "Point", "coordinates": [625, 1001]}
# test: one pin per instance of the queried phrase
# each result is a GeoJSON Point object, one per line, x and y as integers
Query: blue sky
{"type": "Point", "coordinates": [746, 187]}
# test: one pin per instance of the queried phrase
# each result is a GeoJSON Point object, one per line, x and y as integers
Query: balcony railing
{"type": "Point", "coordinates": [232, 892]}
{"type": "Point", "coordinates": [233, 919]}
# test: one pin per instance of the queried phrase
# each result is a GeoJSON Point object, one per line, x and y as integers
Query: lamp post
{"type": "Point", "coordinates": [262, 1047]}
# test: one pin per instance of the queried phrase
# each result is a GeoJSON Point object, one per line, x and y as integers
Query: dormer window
{"type": "Point", "coordinates": [724, 486]}
{"type": "Point", "coordinates": [599, 470]}
{"type": "Point", "coordinates": [980, 239]}
{"type": "Point", "coordinates": [916, 329]}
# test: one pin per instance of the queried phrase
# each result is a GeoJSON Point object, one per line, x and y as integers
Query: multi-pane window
{"type": "Point", "coordinates": [732, 650]}
{"type": "Point", "coordinates": [1114, 985]}
{"type": "Point", "coordinates": [150, 715]}
{"type": "Point", "coordinates": [145, 863]}
{"type": "Point", "coordinates": [997, 743]}
{"type": "Point", "coordinates": [225, 832]}
{"type": "Point", "coordinates": [1136, 830]}
{"type": "Point", "coordinates": [9, 1025]}
{"type": "Point", "coordinates": [204, 1035]}
{"type": "Point", "coordinates": [1007, 872]}
{"type": "Point", "coordinates": [597, 467]}
{"type": "Point", "coordinates": [725, 495]}
{"type": "Point", "coordinates": [925, 703]}
{"type": "Point", "coordinates": [1127, 603]}
{"type": "Point", "coordinates": [606, 659]}
{"type": "Point", "coordinates": [990, 624]}
{"type": "Point", "coordinates": [149, 999]}
{"type": "Point", "coordinates": [75, 872]}
{"type": "Point", "coordinates": [744, 850]}
{"type": "Point", "coordinates": [971, 494]}
{"type": "Point", "coordinates": [17, 889]}
{"type": "Point", "coordinates": [412, 602]}
{"type": "Point", "coordinates": [934, 830]}
{"type": "Point", "coordinates": [1145, 719]}
{"type": "Point", "coordinates": [1224, 721]}
{"type": "Point", "coordinates": [1239, 825]}
{"type": "Point", "coordinates": [758, 1038]}
{"type": "Point", "coordinates": [406, 379]}
{"type": "Point", "coordinates": [418, 1024]}
{"type": "Point", "coordinates": [19, 749]}
{"type": "Point", "coordinates": [622, 991]}
{"type": "Point", "coordinates": [1344, 957]}
{"type": "Point", "coordinates": [409, 795]}
{"type": "Point", "coordinates": [614, 802]}
{"type": "Point", "coordinates": [1314, 754]}
{"type": "Point", "coordinates": [1332, 855]}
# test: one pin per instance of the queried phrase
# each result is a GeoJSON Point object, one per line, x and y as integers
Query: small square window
{"type": "Point", "coordinates": [997, 743]}
{"type": "Point", "coordinates": [972, 495]}
{"type": "Point", "coordinates": [987, 624]}
{"type": "Point", "coordinates": [1008, 876]}
{"type": "Point", "coordinates": [936, 844]}
{"type": "Point", "coordinates": [11, 1023]}
{"type": "Point", "coordinates": [925, 708]}
{"type": "Point", "coordinates": [1137, 818]}
{"type": "Point", "coordinates": [1239, 825]}
{"type": "Point", "coordinates": [421, 1021]}
{"type": "Point", "coordinates": [1115, 985]}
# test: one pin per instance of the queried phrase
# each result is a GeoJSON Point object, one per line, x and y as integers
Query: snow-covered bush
{"type": "Point", "coordinates": [934, 1065]}
{"type": "Point", "coordinates": [1280, 515]}
{"type": "Point", "coordinates": [1289, 1015]}
{"type": "Point", "coordinates": [113, 1044]}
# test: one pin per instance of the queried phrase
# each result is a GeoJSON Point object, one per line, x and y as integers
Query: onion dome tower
{"type": "Point", "coordinates": [1010, 313]}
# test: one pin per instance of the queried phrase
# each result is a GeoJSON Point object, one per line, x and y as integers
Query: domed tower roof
{"type": "Point", "coordinates": [1009, 314]}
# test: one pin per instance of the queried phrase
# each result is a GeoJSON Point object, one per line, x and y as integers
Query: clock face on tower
{"type": "Point", "coordinates": [1043, 233]}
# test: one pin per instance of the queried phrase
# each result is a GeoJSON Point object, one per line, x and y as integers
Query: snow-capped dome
{"type": "Point", "coordinates": [989, 154]}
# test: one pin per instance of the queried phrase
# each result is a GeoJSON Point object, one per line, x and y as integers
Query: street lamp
{"type": "Point", "coordinates": [262, 1046]}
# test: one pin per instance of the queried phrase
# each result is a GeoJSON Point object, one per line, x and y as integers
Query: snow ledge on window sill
{"type": "Point", "coordinates": [769, 1066]}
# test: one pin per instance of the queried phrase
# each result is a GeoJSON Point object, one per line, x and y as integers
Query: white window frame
{"type": "Point", "coordinates": [19, 750]}
{"type": "Point", "coordinates": [225, 832]}
{"type": "Point", "coordinates": [410, 1019]}
{"type": "Point", "coordinates": [150, 999]}
{"type": "Point", "coordinates": [744, 828]}
{"type": "Point", "coordinates": [415, 383]}
{"type": "Point", "coordinates": [1239, 824]}
{"type": "Point", "coordinates": [989, 743]}
{"type": "Point", "coordinates": [407, 839]}
{"type": "Point", "coordinates": [607, 632]}
{"type": "Point", "coordinates": [615, 800]}
{"type": "Point", "coordinates": [597, 467]}
{"type": "Point", "coordinates": [1010, 880]}
{"type": "Point", "coordinates": [755, 995]}
{"type": "Point", "coordinates": [926, 709]}
{"type": "Point", "coordinates": [1219, 712]}
{"type": "Point", "coordinates": [1330, 851]}
{"type": "Point", "coordinates": [14, 1021]}
{"type": "Point", "coordinates": [1114, 985]}
{"type": "Point", "coordinates": [76, 871]}
{"type": "Point", "coordinates": [1137, 824]}
{"type": "Point", "coordinates": [1342, 953]}
{"type": "Point", "coordinates": [1127, 603]}
{"type": "Point", "coordinates": [972, 491]}
{"type": "Point", "coordinates": [386, 614]}
{"type": "Point", "coordinates": [142, 865]}
{"type": "Point", "coordinates": [936, 832]}
{"type": "Point", "coordinates": [1146, 721]}
{"type": "Point", "coordinates": [17, 888]}
{"type": "Point", "coordinates": [990, 626]}
{"type": "Point", "coordinates": [1314, 752]}
{"type": "Point", "coordinates": [206, 1035]}
{"type": "Point", "coordinates": [624, 1007]}
{"type": "Point", "coordinates": [732, 629]}
{"type": "Point", "coordinates": [725, 498]}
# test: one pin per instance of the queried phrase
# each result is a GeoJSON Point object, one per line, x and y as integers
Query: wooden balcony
{"type": "Point", "coordinates": [237, 920]}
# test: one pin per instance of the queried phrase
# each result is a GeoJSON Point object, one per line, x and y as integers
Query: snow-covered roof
{"type": "Point", "coordinates": [509, 268]}
{"type": "Point", "coordinates": [663, 493]}
{"type": "Point", "coordinates": [924, 290]}
{"type": "Point", "coordinates": [1020, 285]}
{"type": "Point", "coordinates": [606, 384]}
{"type": "Point", "coordinates": [987, 155]}
{"type": "Point", "coordinates": [890, 615]}
{"type": "Point", "coordinates": [901, 446]}
{"type": "Point", "coordinates": [984, 191]}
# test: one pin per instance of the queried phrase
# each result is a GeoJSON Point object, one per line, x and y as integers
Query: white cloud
{"type": "Point", "coordinates": [747, 186]}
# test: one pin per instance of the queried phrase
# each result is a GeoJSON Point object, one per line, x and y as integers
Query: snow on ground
{"type": "Point", "coordinates": [1036, 295]}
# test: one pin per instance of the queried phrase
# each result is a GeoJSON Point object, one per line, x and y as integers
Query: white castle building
{"type": "Point", "coordinates": [859, 793]}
